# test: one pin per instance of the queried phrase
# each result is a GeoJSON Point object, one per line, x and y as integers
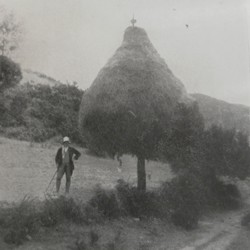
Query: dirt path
{"type": "Point", "coordinates": [217, 233]}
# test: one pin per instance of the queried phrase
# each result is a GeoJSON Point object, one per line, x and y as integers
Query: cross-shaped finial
{"type": "Point", "coordinates": [133, 21]}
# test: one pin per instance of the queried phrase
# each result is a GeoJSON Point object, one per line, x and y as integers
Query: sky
{"type": "Point", "coordinates": [205, 43]}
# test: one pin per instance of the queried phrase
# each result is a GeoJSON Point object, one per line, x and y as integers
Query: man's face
{"type": "Point", "coordinates": [66, 144]}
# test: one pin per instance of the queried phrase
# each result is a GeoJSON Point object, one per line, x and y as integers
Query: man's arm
{"type": "Point", "coordinates": [57, 158]}
{"type": "Point", "coordinates": [76, 153]}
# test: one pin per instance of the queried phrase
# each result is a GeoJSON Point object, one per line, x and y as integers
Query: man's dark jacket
{"type": "Point", "coordinates": [72, 151]}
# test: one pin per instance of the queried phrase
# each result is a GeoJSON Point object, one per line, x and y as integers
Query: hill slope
{"type": "Point", "coordinates": [33, 77]}
{"type": "Point", "coordinates": [214, 111]}
{"type": "Point", "coordinates": [227, 115]}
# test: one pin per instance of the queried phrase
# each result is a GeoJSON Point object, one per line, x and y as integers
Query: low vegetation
{"type": "Point", "coordinates": [181, 201]}
{"type": "Point", "coordinates": [39, 112]}
{"type": "Point", "coordinates": [199, 158]}
{"type": "Point", "coordinates": [126, 200]}
{"type": "Point", "coordinates": [20, 222]}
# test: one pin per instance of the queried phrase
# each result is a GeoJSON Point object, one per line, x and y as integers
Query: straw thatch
{"type": "Point", "coordinates": [136, 79]}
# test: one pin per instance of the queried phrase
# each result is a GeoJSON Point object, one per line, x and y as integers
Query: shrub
{"type": "Point", "coordinates": [245, 220]}
{"type": "Point", "coordinates": [116, 243]}
{"type": "Point", "coordinates": [10, 73]}
{"type": "Point", "coordinates": [92, 214]}
{"type": "Point", "coordinates": [79, 244]}
{"type": "Point", "coordinates": [138, 203]}
{"type": "Point", "coordinates": [106, 202]}
{"type": "Point", "coordinates": [185, 197]}
{"type": "Point", "coordinates": [41, 111]}
{"type": "Point", "coordinates": [55, 211]}
{"type": "Point", "coordinates": [224, 196]}
{"type": "Point", "coordinates": [87, 242]}
{"type": "Point", "coordinates": [19, 133]}
{"type": "Point", "coordinates": [226, 152]}
{"type": "Point", "coordinates": [126, 200]}
{"type": "Point", "coordinates": [182, 144]}
{"type": "Point", "coordinates": [19, 222]}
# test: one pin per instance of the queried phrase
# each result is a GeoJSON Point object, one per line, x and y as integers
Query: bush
{"type": "Point", "coordinates": [224, 196]}
{"type": "Point", "coordinates": [182, 144]}
{"type": "Point", "coordinates": [245, 221]}
{"type": "Point", "coordinates": [87, 242]}
{"type": "Point", "coordinates": [185, 197]}
{"type": "Point", "coordinates": [19, 133]}
{"type": "Point", "coordinates": [10, 73]}
{"type": "Point", "coordinates": [126, 200]}
{"type": "Point", "coordinates": [92, 214]}
{"type": "Point", "coordinates": [106, 202]}
{"type": "Point", "coordinates": [226, 152]}
{"type": "Point", "coordinates": [55, 211]}
{"type": "Point", "coordinates": [20, 222]}
{"type": "Point", "coordinates": [41, 111]}
{"type": "Point", "coordinates": [183, 200]}
{"type": "Point", "coordinates": [139, 203]}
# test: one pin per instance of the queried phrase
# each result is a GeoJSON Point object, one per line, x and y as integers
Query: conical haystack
{"type": "Point", "coordinates": [135, 78]}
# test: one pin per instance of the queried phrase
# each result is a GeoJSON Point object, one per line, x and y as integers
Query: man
{"type": "Point", "coordinates": [64, 162]}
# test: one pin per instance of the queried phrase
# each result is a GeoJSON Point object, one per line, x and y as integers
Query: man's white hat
{"type": "Point", "coordinates": [66, 139]}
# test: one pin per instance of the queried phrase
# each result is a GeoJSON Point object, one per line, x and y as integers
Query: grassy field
{"type": "Point", "coordinates": [26, 169]}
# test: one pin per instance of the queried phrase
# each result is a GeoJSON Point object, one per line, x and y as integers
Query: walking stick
{"type": "Point", "coordinates": [50, 182]}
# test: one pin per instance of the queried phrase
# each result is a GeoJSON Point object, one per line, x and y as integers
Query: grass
{"type": "Point", "coordinates": [30, 168]}
{"type": "Point", "coordinates": [60, 223]}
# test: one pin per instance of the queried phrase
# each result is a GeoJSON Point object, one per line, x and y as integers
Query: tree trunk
{"type": "Point", "coordinates": [141, 174]}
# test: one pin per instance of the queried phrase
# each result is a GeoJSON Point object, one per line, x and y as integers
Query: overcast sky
{"type": "Point", "coordinates": [71, 40]}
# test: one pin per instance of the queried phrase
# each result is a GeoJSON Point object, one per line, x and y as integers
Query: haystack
{"type": "Point", "coordinates": [135, 80]}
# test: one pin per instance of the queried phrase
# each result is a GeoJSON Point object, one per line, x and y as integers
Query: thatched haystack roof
{"type": "Point", "coordinates": [136, 79]}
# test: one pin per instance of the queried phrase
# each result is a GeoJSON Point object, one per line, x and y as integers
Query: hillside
{"type": "Point", "coordinates": [227, 115]}
{"type": "Point", "coordinates": [34, 77]}
{"type": "Point", "coordinates": [214, 111]}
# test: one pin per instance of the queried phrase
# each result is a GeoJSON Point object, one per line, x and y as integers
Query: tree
{"type": "Point", "coordinates": [210, 153]}
{"type": "Point", "coordinates": [10, 33]}
{"type": "Point", "coordinates": [41, 111]}
{"type": "Point", "coordinates": [227, 153]}
{"type": "Point", "coordinates": [130, 104]}
{"type": "Point", "coordinates": [182, 145]}
{"type": "Point", "coordinates": [10, 73]}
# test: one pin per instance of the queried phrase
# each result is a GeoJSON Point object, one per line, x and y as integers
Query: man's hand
{"type": "Point", "coordinates": [75, 157]}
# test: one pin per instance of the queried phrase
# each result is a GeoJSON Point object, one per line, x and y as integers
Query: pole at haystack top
{"type": "Point", "coordinates": [133, 21]}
